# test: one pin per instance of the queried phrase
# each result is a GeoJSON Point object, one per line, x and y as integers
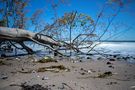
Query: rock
{"type": "Point", "coordinates": [110, 55]}
{"type": "Point", "coordinates": [33, 71]}
{"type": "Point", "coordinates": [47, 59]}
{"type": "Point", "coordinates": [53, 85]}
{"type": "Point", "coordinates": [99, 58]}
{"type": "Point", "coordinates": [35, 59]}
{"type": "Point", "coordinates": [45, 78]}
{"type": "Point", "coordinates": [108, 63]}
{"type": "Point", "coordinates": [89, 54]}
{"type": "Point", "coordinates": [3, 55]}
{"type": "Point", "coordinates": [75, 61]}
{"type": "Point", "coordinates": [80, 61]}
{"type": "Point", "coordinates": [89, 71]}
{"type": "Point", "coordinates": [111, 66]}
{"type": "Point", "coordinates": [17, 59]}
{"type": "Point", "coordinates": [126, 58]}
{"type": "Point", "coordinates": [4, 77]}
{"type": "Point", "coordinates": [88, 57]}
{"type": "Point", "coordinates": [111, 59]}
{"type": "Point", "coordinates": [67, 70]}
{"type": "Point", "coordinates": [108, 73]}
{"type": "Point", "coordinates": [82, 73]}
{"type": "Point", "coordinates": [118, 58]}
{"type": "Point", "coordinates": [22, 69]}
{"type": "Point", "coordinates": [111, 83]}
{"type": "Point", "coordinates": [115, 56]}
{"type": "Point", "coordinates": [81, 69]}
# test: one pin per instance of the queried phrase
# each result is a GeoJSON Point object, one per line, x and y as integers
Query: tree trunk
{"type": "Point", "coordinates": [20, 35]}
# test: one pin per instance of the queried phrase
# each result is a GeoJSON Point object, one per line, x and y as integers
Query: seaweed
{"type": "Point", "coordinates": [105, 74]}
{"type": "Point", "coordinates": [42, 69]}
{"type": "Point", "coordinates": [2, 63]}
{"type": "Point", "coordinates": [55, 69]}
{"type": "Point", "coordinates": [60, 67]}
{"type": "Point", "coordinates": [52, 68]}
{"type": "Point", "coordinates": [25, 72]}
{"type": "Point", "coordinates": [32, 87]}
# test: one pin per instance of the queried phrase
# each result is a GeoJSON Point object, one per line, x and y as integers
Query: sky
{"type": "Point", "coordinates": [126, 17]}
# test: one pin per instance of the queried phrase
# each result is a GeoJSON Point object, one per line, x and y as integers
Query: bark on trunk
{"type": "Point", "coordinates": [20, 35]}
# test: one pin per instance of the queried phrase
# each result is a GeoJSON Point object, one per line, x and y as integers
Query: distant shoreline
{"type": "Point", "coordinates": [115, 41]}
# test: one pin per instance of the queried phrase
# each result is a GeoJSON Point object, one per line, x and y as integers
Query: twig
{"type": "Point", "coordinates": [68, 86]}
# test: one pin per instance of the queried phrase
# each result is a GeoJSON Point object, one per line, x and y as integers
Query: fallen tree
{"type": "Point", "coordinates": [20, 36]}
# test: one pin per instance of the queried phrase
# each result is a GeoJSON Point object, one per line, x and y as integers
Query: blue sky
{"type": "Point", "coordinates": [90, 7]}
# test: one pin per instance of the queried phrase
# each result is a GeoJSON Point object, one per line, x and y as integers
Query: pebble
{"type": "Point", "coordinates": [89, 71]}
{"type": "Point", "coordinates": [108, 63]}
{"type": "Point", "coordinates": [45, 78]}
{"type": "Point", "coordinates": [4, 77]}
{"type": "Point", "coordinates": [111, 59]}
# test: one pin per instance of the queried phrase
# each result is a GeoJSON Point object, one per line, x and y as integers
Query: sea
{"type": "Point", "coordinates": [124, 48]}
{"type": "Point", "coordinates": [113, 48]}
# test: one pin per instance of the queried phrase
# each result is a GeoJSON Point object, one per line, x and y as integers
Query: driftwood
{"type": "Point", "coordinates": [20, 35]}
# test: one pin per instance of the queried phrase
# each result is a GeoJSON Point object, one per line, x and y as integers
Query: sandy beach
{"type": "Point", "coordinates": [67, 44]}
{"type": "Point", "coordinates": [72, 75]}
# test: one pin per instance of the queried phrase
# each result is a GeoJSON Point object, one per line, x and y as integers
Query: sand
{"type": "Point", "coordinates": [78, 75]}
